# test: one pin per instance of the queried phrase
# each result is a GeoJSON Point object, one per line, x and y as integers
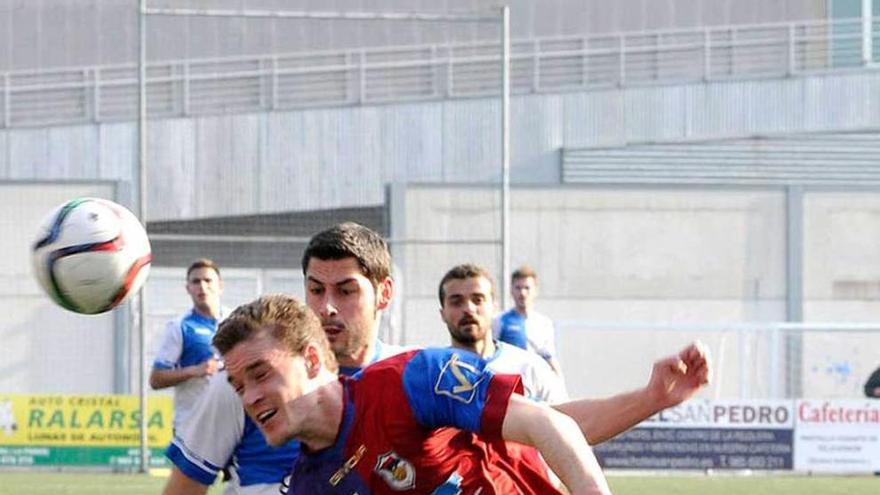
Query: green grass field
{"type": "Point", "coordinates": [19, 483]}
{"type": "Point", "coordinates": [744, 485]}
{"type": "Point", "coordinates": [74, 483]}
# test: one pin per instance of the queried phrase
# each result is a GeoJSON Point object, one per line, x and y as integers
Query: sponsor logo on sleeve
{"type": "Point", "coordinates": [458, 380]}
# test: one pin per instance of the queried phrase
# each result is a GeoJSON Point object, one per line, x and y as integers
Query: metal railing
{"type": "Point", "coordinates": [431, 72]}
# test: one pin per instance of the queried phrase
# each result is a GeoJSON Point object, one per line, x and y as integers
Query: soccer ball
{"type": "Point", "coordinates": [90, 255]}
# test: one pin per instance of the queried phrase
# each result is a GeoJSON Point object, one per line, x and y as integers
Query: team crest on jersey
{"type": "Point", "coordinates": [396, 471]}
{"type": "Point", "coordinates": [458, 380]}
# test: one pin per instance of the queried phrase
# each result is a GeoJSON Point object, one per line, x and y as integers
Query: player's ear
{"type": "Point", "coordinates": [384, 293]}
{"type": "Point", "coordinates": [313, 360]}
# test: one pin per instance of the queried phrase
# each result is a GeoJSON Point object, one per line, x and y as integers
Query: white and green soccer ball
{"type": "Point", "coordinates": [91, 255]}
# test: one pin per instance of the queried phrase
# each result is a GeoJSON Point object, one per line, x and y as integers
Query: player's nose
{"type": "Point", "coordinates": [250, 397]}
{"type": "Point", "coordinates": [327, 307]}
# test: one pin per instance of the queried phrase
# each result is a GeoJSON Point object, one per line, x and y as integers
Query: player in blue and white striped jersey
{"type": "Point", "coordinates": [219, 435]}
{"type": "Point", "coordinates": [524, 327]}
{"type": "Point", "coordinates": [185, 359]}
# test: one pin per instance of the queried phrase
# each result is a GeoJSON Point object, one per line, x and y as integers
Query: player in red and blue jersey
{"type": "Point", "coordinates": [389, 430]}
{"type": "Point", "coordinates": [381, 431]}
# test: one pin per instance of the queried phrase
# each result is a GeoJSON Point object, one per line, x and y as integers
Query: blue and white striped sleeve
{"type": "Point", "coordinates": [171, 348]}
{"type": "Point", "coordinates": [207, 440]}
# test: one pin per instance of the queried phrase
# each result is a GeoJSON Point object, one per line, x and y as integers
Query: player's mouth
{"type": "Point", "coordinates": [333, 330]}
{"type": "Point", "coordinates": [265, 416]}
{"type": "Point", "coordinates": [467, 323]}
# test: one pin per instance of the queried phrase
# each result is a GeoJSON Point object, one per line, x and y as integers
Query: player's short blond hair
{"type": "Point", "coordinates": [286, 319]}
{"type": "Point", "coordinates": [524, 271]}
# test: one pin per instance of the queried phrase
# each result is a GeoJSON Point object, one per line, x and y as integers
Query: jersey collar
{"type": "Point", "coordinates": [378, 353]}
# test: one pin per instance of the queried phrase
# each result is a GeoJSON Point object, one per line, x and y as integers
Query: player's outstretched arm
{"type": "Point", "coordinates": [673, 380]}
{"type": "Point", "coordinates": [164, 378]}
{"type": "Point", "coordinates": [180, 484]}
{"type": "Point", "coordinates": [557, 437]}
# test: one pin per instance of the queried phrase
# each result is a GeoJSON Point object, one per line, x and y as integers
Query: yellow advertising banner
{"type": "Point", "coordinates": [82, 420]}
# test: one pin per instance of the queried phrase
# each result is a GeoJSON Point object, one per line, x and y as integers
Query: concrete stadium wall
{"type": "Point", "coordinates": [57, 33]}
{"type": "Point", "coordinates": [841, 256]}
{"type": "Point", "coordinates": [687, 256]}
{"type": "Point", "coordinates": [628, 253]}
{"type": "Point", "coordinates": [602, 253]}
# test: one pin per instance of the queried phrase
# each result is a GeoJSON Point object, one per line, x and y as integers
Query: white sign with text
{"type": "Point", "coordinates": [837, 436]}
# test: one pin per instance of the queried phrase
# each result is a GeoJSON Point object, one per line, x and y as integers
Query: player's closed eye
{"type": "Point", "coordinates": [348, 290]}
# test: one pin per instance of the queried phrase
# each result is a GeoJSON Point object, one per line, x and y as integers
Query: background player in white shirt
{"type": "Point", "coordinates": [186, 358]}
{"type": "Point", "coordinates": [524, 327]}
{"type": "Point", "coordinates": [467, 302]}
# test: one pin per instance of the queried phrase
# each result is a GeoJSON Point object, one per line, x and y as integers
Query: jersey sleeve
{"type": "Point", "coordinates": [447, 387]}
{"type": "Point", "coordinates": [206, 441]}
{"type": "Point", "coordinates": [545, 343]}
{"type": "Point", "coordinates": [545, 384]}
{"type": "Point", "coordinates": [171, 348]}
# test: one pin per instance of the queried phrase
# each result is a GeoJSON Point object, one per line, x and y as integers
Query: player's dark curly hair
{"type": "Point", "coordinates": [285, 318]}
{"type": "Point", "coordinates": [352, 240]}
